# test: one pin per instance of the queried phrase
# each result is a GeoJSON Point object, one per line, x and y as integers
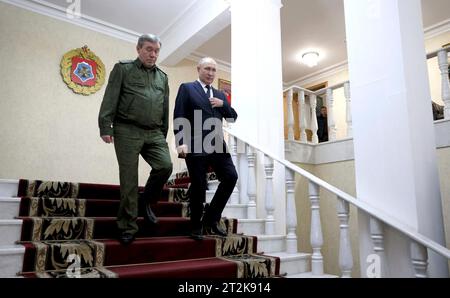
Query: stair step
{"type": "Point", "coordinates": [9, 207]}
{"type": "Point", "coordinates": [203, 268]}
{"type": "Point", "coordinates": [251, 226]}
{"type": "Point", "coordinates": [310, 275]}
{"type": "Point", "coordinates": [271, 243]}
{"type": "Point", "coordinates": [238, 211]}
{"type": "Point", "coordinates": [293, 263]}
{"type": "Point", "coordinates": [11, 260]}
{"type": "Point", "coordinates": [9, 187]}
{"type": "Point", "coordinates": [107, 208]}
{"type": "Point", "coordinates": [10, 230]}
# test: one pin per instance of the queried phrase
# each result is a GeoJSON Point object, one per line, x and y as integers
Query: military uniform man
{"type": "Point", "coordinates": [134, 116]}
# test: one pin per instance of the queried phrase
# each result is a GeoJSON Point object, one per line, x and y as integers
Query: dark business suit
{"type": "Point", "coordinates": [192, 97]}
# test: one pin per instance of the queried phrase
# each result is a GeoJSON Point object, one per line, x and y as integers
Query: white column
{"type": "Point", "coordinates": [302, 113]}
{"type": "Point", "coordinates": [316, 230]}
{"type": "Point", "coordinates": [348, 109]}
{"type": "Point", "coordinates": [234, 198]}
{"type": "Point", "coordinates": [291, 213]}
{"type": "Point", "coordinates": [314, 125]}
{"type": "Point", "coordinates": [345, 248]}
{"type": "Point", "coordinates": [290, 114]}
{"type": "Point", "coordinates": [443, 66]}
{"type": "Point", "coordinates": [270, 220]}
{"type": "Point", "coordinates": [390, 109]}
{"type": "Point", "coordinates": [251, 184]}
{"type": "Point", "coordinates": [258, 86]}
{"type": "Point", "coordinates": [330, 118]}
{"type": "Point", "coordinates": [419, 259]}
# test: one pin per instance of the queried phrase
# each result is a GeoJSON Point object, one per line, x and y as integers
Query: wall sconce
{"type": "Point", "coordinates": [310, 58]}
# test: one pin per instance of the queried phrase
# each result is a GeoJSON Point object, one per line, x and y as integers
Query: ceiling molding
{"type": "Point", "coordinates": [58, 12]}
{"type": "Point", "coordinates": [429, 32]}
{"type": "Point", "coordinates": [321, 74]}
{"type": "Point", "coordinates": [437, 29]}
{"type": "Point", "coordinates": [222, 65]}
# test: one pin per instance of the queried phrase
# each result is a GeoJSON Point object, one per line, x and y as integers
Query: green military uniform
{"type": "Point", "coordinates": [135, 110]}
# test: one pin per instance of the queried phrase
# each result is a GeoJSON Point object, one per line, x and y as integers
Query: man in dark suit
{"type": "Point", "coordinates": [198, 115]}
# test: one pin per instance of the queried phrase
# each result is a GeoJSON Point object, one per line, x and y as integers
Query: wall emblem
{"type": "Point", "coordinates": [82, 71]}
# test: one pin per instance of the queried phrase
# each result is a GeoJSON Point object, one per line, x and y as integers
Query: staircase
{"type": "Point", "coordinates": [40, 233]}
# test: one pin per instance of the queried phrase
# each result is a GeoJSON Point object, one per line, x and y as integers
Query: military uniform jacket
{"type": "Point", "coordinates": [135, 95]}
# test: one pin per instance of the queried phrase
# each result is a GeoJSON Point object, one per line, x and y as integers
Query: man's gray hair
{"type": "Point", "coordinates": [150, 38]}
{"type": "Point", "coordinates": [205, 60]}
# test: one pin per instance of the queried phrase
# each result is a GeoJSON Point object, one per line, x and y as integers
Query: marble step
{"type": "Point", "coordinates": [291, 264]}
{"type": "Point", "coordinates": [9, 207]}
{"type": "Point", "coordinates": [310, 275]}
{"type": "Point", "coordinates": [271, 243]}
{"type": "Point", "coordinates": [251, 226]}
{"type": "Point", "coordinates": [10, 230]}
{"type": "Point", "coordinates": [11, 260]}
{"type": "Point", "coordinates": [8, 187]}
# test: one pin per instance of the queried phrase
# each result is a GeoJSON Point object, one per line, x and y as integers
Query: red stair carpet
{"type": "Point", "coordinates": [69, 228]}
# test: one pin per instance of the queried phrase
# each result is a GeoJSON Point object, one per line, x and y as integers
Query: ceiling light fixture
{"type": "Point", "coordinates": [310, 58]}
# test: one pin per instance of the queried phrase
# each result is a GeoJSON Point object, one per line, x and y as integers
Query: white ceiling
{"type": "Point", "coordinates": [304, 23]}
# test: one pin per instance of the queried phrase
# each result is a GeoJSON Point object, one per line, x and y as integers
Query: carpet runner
{"type": "Point", "coordinates": [69, 230]}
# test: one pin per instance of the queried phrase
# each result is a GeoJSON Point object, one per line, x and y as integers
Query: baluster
{"type": "Point", "coordinates": [443, 66]}
{"type": "Point", "coordinates": [419, 259]}
{"type": "Point", "coordinates": [251, 184]}
{"type": "Point", "coordinates": [270, 220]}
{"type": "Point", "coordinates": [314, 125]}
{"type": "Point", "coordinates": [316, 230]}
{"type": "Point", "coordinates": [291, 213]}
{"type": "Point", "coordinates": [377, 236]}
{"type": "Point", "coordinates": [302, 113]}
{"type": "Point", "coordinates": [290, 112]}
{"type": "Point", "coordinates": [234, 198]}
{"type": "Point", "coordinates": [348, 110]}
{"type": "Point", "coordinates": [330, 113]}
{"type": "Point", "coordinates": [345, 248]}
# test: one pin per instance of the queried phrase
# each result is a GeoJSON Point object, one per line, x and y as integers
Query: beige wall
{"type": "Point", "coordinates": [342, 175]}
{"type": "Point", "coordinates": [47, 131]}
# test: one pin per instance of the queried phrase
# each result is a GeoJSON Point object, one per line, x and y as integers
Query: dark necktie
{"type": "Point", "coordinates": [207, 90]}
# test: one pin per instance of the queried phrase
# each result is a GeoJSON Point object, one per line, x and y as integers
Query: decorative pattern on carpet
{"type": "Point", "coordinates": [61, 241]}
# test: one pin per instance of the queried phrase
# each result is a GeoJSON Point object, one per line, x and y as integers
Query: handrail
{"type": "Point", "coordinates": [372, 211]}
{"type": "Point", "coordinates": [299, 88]}
{"type": "Point", "coordinates": [434, 53]}
{"type": "Point", "coordinates": [335, 86]}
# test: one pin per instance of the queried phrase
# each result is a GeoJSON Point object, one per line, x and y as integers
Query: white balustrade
{"type": "Point", "coordinates": [348, 110]}
{"type": "Point", "coordinates": [377, 236]}
{"type": "Point", "coordinates": [270, 207]}
{"type": "Point", "coordinates": [345, 249]}
{"type": "Point", "coordinates": [314, 126]}
{"type": "Point", "coordinates": [419, 259]}
{"type": "Point", "coordinates": [302, 113]}
{"type": "Point", "coordinates": [251, 183]}
{"type": "Point", "coordinates": [291, 213]}
{"type": "Point", "coordinates": [290, 112]}
{"type": "Point", "coordinates": [443, 66]}
{"type": "Point", "coordinates": [316, 230]}
{"type": "Point", "coordinates": [234, 199]}
{"type": "Point", "coordinates": [330, 117]}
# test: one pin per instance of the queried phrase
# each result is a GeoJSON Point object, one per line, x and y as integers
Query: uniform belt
{"type": "Point", "coordinates": [124, 121]}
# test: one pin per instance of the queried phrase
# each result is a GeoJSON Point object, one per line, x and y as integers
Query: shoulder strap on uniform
{"type": "Point", "coordinates": [161, 70]}
{"type": "Point", "coordinates": [125, 61]}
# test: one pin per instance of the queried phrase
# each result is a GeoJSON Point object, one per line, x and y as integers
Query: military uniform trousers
{"type": "Point", "coordinates": [131, 141]}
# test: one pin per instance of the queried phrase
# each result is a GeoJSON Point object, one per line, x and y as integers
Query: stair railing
{"type": "Point", "coordinates": [419, 244]}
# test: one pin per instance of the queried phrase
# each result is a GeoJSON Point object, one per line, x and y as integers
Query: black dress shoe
{"type": "Point", "coordinates": [216, 229]}
{"type": "Point", "coordinates": [197, 234]}
{"type": "Point", "coordinates": [126, 238]}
